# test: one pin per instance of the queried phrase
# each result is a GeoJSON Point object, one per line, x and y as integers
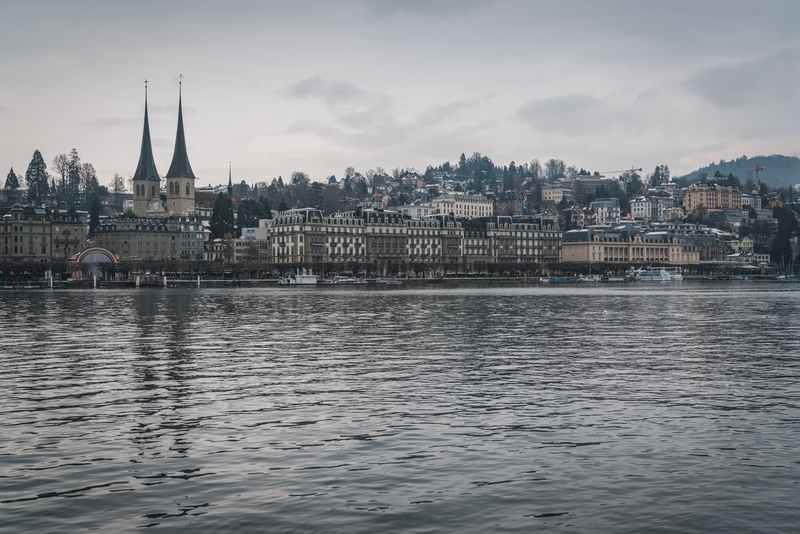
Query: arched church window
{"type": "Point", "coordinates": [187, 189]}
{"type": "Point", "coordinates": [152, 190]}
{"type": "Point", "coordinates": [171, 188]}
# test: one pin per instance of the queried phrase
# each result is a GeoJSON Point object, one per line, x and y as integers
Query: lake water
{"type": "Point", "coordinates": [658, 408]}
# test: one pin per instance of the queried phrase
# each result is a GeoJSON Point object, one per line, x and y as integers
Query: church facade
{"type": "Point", "coordinates": [163, 227]}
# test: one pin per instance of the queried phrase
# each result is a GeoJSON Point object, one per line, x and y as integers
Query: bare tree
{"type": "Point", "coordinates": [554, 169]}
{"type": "Point", "coordinates": [89, 182]}
{"type": "Point", "coordinates": [117, 186]}
{"type": "Point", "coordinates": [60, 167]}
{"type": "Point", "coordinates": [536, 170]}
{"type": "Point", "coordinates": [349, 172]}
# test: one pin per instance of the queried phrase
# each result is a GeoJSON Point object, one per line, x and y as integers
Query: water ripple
{"type": "Point", "coordinates": [598, 409]}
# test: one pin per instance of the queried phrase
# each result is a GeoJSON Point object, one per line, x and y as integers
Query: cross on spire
{"type": "Point", "coordinates": [180, 167]}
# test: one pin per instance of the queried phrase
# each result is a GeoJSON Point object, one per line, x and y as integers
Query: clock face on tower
{"type": "Point", "coordinates": [155, 205]}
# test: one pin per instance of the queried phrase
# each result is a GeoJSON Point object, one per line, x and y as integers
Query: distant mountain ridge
{"type": "Point", "coordinates": [779, 171]}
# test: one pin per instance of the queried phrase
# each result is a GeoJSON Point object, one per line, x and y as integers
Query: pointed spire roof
{"type": "Point", "coordinates": [180, 167]}
{"type": "Point", "coordinates": [146, 170]}
{"type": "Point", "coordinates": [230, 182]}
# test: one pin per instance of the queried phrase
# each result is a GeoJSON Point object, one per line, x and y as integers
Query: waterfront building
{"type": "Point", "coordinates": [218, 250]}
{"type": "Point", "coordinates": [521, 239]}
{"type": "Point", "coordinates": [70, 232]}
{"type": "Point", "coordinates": [388, 242]}
{"type": "Point", "coordinates": [255, 244]}
{"type": "Point", "coordinates": [386, 235]}
{"type": "Point", "coordinates": [476, 242]}
{"type": "Point", "coordinates": [173, 238]}
{"type": "Point", "coordinates": [163, 225]}
{"type": "Point", "coordinates": [451, 239]}
{"type": "Point", "coordinates": [26, 234]}
{"type": "Point", "coordinates": [298, 236]}
{"type": "Point", "coordinates": [345, 239]}
{"type": "Point", "coordinates": [625, 243]}
{"type": "Point", "coordinates": [424, 243]}
{"type": "Point", "coordinates": [36, 234]}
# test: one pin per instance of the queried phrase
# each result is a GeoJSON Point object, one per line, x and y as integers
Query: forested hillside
{"type": "Point", "coordinates": [779, 171]}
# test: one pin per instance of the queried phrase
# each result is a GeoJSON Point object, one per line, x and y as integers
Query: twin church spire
{"type": "Point", "coordinates": [180, 177]}
{"type": "Point", "coordinates": [180, 167]}
{"type": "Point", "coordinates": [146, 170]}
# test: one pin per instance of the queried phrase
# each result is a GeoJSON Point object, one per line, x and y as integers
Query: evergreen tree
{"type": "Point", "coordinates": [11, 180]}
{"type": "Point", "coordinates": [781, 246]}
{"type": "Point", "coordinates": [248, 214]}
{"type": "Point", "coordinates": [36, 178]}
{"type": "Point", "coordinates": [282, 206]}
{"type": "Point", "coordinates": [656, 177]}
{"type": "Point", "coordinates": [222, 217]}
{"type": "Point", "coordinates": [462, 165]}
{"type": "Point", "coordinates": [266, 207]}
{"type": "Point", "coordinates": [73, 176]}
{"type": "Point", "coordinates": [94, 213]}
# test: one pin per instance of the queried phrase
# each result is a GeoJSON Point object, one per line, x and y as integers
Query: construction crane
{"type": "Point", "coordinates": [632, 169]}
{"type": "Point", "coordinates": [756, 170]}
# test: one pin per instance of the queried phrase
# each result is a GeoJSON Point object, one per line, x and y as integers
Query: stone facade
{"type": "Point", "coordinates": [625, 244]}
{"type": "Point", "coordinates": [37, 234]}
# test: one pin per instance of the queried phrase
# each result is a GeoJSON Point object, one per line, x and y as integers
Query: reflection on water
{"type": "Point", "coordinates": [461, 409]}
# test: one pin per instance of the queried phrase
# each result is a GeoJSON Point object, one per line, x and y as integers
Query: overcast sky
{"type": "Point", "coordinates": [276, 87]}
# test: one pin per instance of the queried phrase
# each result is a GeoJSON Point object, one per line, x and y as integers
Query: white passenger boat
{"type": "Point", "coordinates": [345, 280]}
{"type": "Point", "coordinates": [299, 279]}
{"type": "Point", "coordinates": [657, 275]}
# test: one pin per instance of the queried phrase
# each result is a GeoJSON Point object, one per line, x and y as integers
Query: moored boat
{"type": "Point", "coordinates": [656, 275]}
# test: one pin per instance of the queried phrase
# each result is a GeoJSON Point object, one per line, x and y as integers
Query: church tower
{"type": "Point", "coordinates": [230, 182]}
{"type": "Point", "coordinates": [180, 178]}
{"type": "Point", "coordinates": [146, 182]}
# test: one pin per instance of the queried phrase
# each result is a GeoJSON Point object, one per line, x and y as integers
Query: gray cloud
{"type": "Point", "coordinates": [560, 113]}
{"type": "Point", "coordinates": [394, 82]}
{"type": "Point", "coordinates": [773, 79]}
{"type": "Point", "coordinates": [333, 93]}
{"type": "Point", "coordinates": [436, 8]}
{"type": "Point", "coordinates": [112, 122]}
